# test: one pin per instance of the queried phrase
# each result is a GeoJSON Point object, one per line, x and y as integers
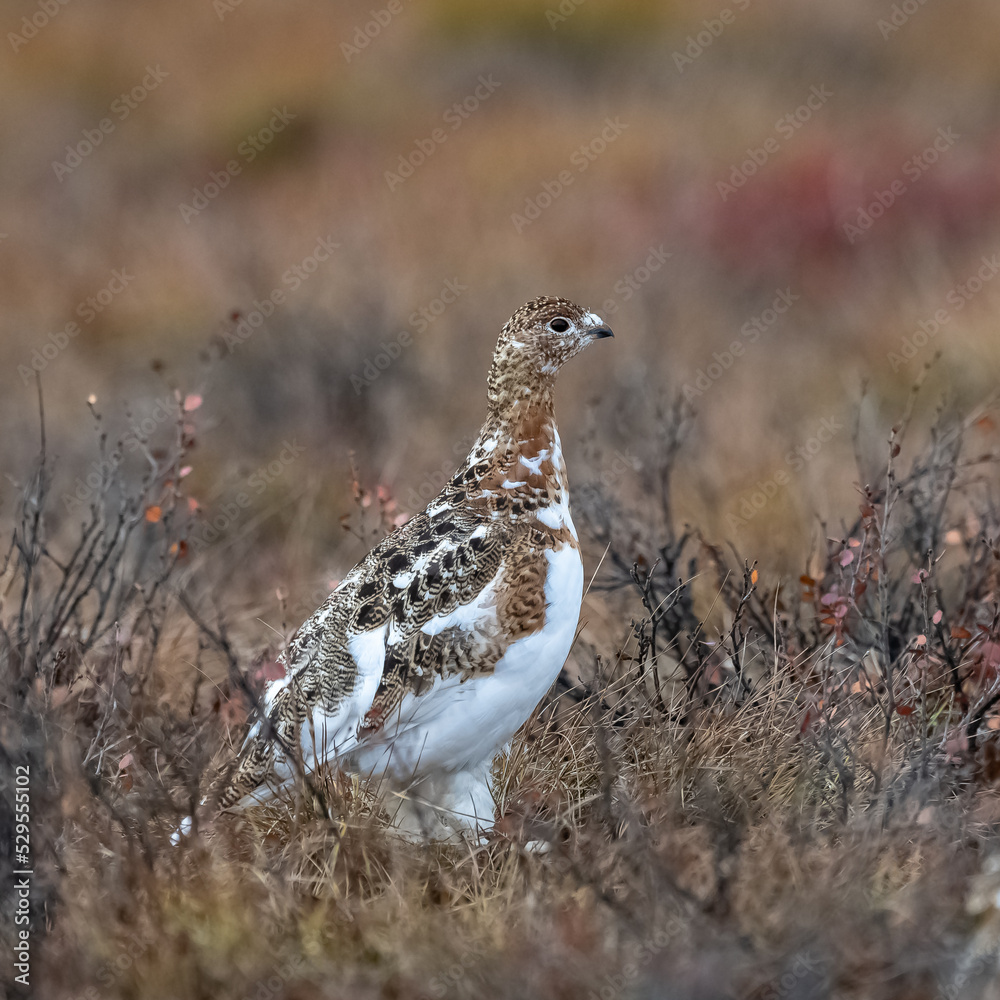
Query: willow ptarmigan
{"type": "Point", "coordinates": [439, 644]}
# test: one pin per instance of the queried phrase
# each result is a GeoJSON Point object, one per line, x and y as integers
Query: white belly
{"type": "Point", "coordinates": [457, 724]}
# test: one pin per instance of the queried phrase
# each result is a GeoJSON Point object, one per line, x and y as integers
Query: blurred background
{"type": "Point", "coordinates": [311, 220]}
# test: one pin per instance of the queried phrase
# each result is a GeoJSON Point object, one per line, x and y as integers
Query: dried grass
{"type": "Point", "coordinates": [784, 792]}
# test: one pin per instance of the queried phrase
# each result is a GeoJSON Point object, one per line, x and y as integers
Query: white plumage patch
{"type": "Point", "coordinates": [461, 721]}
{"type": "Point", "coordinates": [327, 736]}
{"type": "Point", "coordinates": [472, 617]}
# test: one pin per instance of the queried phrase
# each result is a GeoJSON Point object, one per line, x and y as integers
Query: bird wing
{"type": "Point", "coordinates": [440, 596]}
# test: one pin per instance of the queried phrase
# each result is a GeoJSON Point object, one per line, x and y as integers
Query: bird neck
{"type": "Point", "coordinates": [516, 465]}
{"type": "Point", "coordinates": [518, 455]}
{"type": "Point", "coordinates": [525, 427]}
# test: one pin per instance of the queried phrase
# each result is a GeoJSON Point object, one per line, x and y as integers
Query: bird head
{"type": "Point", "coordinates": [536, 341]}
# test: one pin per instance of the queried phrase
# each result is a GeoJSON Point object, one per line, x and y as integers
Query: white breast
{"type": "Point", "coordinates": [457, 724]}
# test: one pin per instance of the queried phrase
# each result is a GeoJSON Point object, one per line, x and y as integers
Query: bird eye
{"type": "Point", "coordinates": [559, 325]}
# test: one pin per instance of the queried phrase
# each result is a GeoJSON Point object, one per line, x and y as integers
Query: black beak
{"type": "Point", "coordinates": [600, 332]}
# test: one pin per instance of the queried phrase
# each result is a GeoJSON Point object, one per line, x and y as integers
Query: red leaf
{"type": "Point", "coordinates": [904, 709]}
{"type": "Point", "coordinates": [270, 671]}
{"type": "Point", "coordinates": [990, 654]}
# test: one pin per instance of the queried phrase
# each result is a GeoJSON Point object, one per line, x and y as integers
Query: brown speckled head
{"type": "Point", "coordinates": [539, 338]}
